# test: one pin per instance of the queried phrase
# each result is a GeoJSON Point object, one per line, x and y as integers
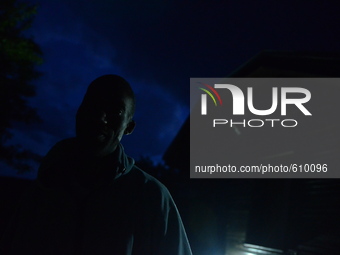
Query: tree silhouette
{"type": "Point", "coordinates": [19, 56]}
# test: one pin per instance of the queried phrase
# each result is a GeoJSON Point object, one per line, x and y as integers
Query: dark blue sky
{"type": "Point", "coordinates": [157, 46]}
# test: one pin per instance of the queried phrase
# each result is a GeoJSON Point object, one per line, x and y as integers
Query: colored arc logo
{"type": "Point", "coordinates": [210, 94]}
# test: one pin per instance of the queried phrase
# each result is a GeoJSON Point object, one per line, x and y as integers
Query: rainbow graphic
{"type": "Point", "coordinates": [211, 93]}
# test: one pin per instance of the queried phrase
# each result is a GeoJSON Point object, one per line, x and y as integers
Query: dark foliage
{"type": "Point", "coordinates": [19, 56]}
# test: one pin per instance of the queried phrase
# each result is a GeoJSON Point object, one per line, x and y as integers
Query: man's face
{"type": "Point", "coordinates": [102, 120]}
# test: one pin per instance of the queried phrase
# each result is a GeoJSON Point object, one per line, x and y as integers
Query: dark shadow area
{"type": "Point", "coordinates": [11, 191]}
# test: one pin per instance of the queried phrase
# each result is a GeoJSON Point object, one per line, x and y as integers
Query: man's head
{"type": "Point", "coordinates": [105, 115]}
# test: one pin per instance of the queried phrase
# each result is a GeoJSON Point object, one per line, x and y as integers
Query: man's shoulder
{"type": "Point", "coordinates": [67, 143]}
{"type": "Point", "coordinates": [62, 148]}
{"type": "Point", "coordinates": [147, 182]}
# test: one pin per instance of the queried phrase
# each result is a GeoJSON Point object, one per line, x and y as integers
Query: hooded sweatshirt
{"type": "Point", "coordinates": [83, 206]}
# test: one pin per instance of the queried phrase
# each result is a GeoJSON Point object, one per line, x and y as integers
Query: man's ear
{"type": "Point", "coordinates": [130, 127]}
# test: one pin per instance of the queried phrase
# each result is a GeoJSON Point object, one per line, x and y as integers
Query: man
{"type": "Point", "coordinates": [90, 198]}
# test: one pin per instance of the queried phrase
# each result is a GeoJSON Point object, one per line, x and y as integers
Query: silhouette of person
{"type": "Point", "coordinates": [90, 198]}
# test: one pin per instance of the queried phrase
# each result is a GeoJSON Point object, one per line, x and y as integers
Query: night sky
{"type": "Point", "coordinates": [157, 46]}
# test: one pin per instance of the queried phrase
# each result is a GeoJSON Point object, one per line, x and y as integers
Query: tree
{"type": "Point", "coordinates": [19, 56]}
